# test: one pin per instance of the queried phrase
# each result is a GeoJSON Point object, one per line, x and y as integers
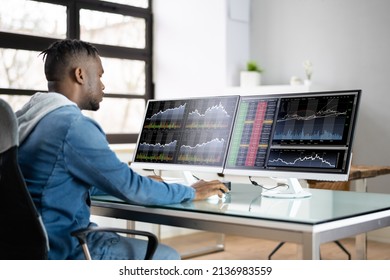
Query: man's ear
{"type": "Point", "coordinates": [79, 75]}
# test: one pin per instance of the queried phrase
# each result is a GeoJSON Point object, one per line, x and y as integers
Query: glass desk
{"type": "Point", "coordinates": [325, 216]}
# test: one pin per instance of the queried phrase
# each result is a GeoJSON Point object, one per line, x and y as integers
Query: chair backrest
{"type": "Point", "coordinates": [22, 234]}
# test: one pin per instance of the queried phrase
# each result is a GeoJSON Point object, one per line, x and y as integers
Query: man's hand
{"type": "Point", "coordinates": [205, 189]}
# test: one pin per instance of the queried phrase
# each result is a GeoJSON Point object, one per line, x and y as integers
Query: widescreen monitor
{"type": "Point", "coordinates": [294, 136]}
{"type": "Point", "coordinates": [186, 134]}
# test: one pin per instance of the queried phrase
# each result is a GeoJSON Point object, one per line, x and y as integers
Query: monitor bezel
{"type": "Point", "coordinates": [285, 173]}
{"type": "Point", "coordinates": [179, 166]}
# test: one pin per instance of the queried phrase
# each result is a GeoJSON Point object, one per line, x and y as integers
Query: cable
{"type": "Point", "coordinates": [261, 186]}
{"type": "Point", "coordinates": [252, 202]}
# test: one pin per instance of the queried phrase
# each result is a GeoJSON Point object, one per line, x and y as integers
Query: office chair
{"type": "Point", "coordinates": [22, 233]}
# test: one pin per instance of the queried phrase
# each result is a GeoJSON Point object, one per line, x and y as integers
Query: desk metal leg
{"type": "Point", "coordinates": [310, 247]}
{"type": "Point", "coordinates": [130, 225]}
{"type": "Point", "coordinates": [361, 246]}
{"type": "Point", "coordinates": [218, 247]}
{"type": "Point", "coordinates": [360, 185]}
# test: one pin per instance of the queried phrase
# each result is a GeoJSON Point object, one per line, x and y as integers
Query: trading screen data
{"type": "Point", "coordinates": [189, 132]}
{"type": "Point", "coordinates": [252, 131]}
{"type": "Point", "coordinates": [303, 132]}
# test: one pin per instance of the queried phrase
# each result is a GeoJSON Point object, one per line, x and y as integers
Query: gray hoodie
{"type": "Point", "coordinates": [36, 108]}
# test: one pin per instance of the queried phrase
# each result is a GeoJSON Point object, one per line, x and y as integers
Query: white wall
{"type": "Point", "coordinates": [237, 39]}
{"type": "Point", "coordinates": [189, 47]}
{"type": "Point", "coordinates": [348, 42]}
{"type": "Point", "coordinates": [199, 46]}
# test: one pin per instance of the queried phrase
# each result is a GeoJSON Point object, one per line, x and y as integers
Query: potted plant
{"type": "Point", "coordinates": [252, 75]}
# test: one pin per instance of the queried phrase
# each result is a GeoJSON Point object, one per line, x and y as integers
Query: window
{"type": "Point", "coordinates": [120, 29]}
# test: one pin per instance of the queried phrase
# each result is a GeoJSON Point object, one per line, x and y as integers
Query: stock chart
{"type": "Point", "coordinates": [192, 131]}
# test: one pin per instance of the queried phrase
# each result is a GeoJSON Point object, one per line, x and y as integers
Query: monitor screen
{"type": "Point", "coordinates": [186, 134]}
{"type": "Point", "coordinates": [303, 136]}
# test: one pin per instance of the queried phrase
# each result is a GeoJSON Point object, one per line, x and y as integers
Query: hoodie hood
{"type": "Point", "coordinates": [36, 108]}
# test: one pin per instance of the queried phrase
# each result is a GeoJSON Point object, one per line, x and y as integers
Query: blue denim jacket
{"type": "Point", "coordinates": [62, 158]}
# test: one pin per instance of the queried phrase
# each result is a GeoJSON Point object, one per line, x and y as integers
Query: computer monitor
{"type": "Point", "coordinates": [186, 134]}
{"type": "Point", "coordinates": [294, 136]}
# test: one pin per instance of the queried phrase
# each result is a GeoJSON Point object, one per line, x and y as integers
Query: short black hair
{"type": "Point", "coordinates": [62, 55]}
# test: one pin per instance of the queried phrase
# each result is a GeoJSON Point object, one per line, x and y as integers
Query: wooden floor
{"type": "Point", "coordinates": [242, 248]}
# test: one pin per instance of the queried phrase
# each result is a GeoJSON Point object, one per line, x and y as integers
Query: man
{"type": "Point", "coordinates": [64, 155]}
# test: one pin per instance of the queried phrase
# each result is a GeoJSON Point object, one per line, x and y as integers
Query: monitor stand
{"type": "Point", "coordinates": [181, 177]}
{"type": "Point", "coordinates": [294, 190]}
{"type": "Point", "coordinates": [189, 179]}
